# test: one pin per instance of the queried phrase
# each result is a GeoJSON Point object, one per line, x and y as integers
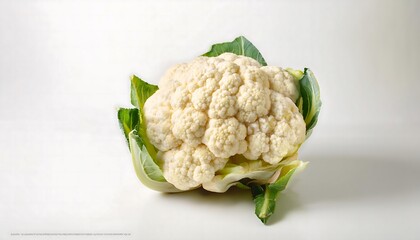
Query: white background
{"type": "Point", "coordinates": [64, 71]}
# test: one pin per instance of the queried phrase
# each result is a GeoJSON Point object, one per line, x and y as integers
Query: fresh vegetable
{"type": "Point", "coordinates": [224, 119]}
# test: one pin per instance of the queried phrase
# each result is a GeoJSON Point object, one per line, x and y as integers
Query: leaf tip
{"type": "Point", "coordinates": [264, 219]}
{"type": "Point", "coordinates": [133, 77]}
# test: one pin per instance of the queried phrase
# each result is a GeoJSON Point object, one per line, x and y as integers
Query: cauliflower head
{"type": "Point", "coordinates": [212, 109]}
{"type": "Point", "coordinates": [224, 119]}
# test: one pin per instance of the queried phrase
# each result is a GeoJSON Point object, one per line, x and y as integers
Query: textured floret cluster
{"type": "Point", "coordinates": [213, 108]}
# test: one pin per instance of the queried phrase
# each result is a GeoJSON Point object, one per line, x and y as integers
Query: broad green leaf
{"type": "Point", "coordinates": [141, 91]}
{"type": "Point", "coordinates": [239, 46]}
{"type": "Point", "coordinates": [147, 170]}
{"type": "Point", "coordinates": [311, 101]}
{"type": "Point", "coordinates": [265, 196]}
{"type": "Point", "coordinates": [129, 119]}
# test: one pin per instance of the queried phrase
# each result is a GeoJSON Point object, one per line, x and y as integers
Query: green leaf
{"type": "Point", "coordinates": [141, 91]}
{"type": "Point", "coordinates": [265, 196]}
{"type": "Point", "coordinates": [148, 172]}
{"type": "Point", "coordinates": [239, 46]}
{"type": "Point", "coordinates": [311, 100]}
{"type": "Point", "coordinates": [129, 119]}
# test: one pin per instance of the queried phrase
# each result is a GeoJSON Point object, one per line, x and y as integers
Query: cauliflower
{"type": "Point", "coordinates": [222, 106]}
{"type": "Point", "coordinates": [223, 119]}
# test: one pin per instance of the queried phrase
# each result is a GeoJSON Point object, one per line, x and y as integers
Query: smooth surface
{"type": "Point", "coordinates": [64, 70]}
